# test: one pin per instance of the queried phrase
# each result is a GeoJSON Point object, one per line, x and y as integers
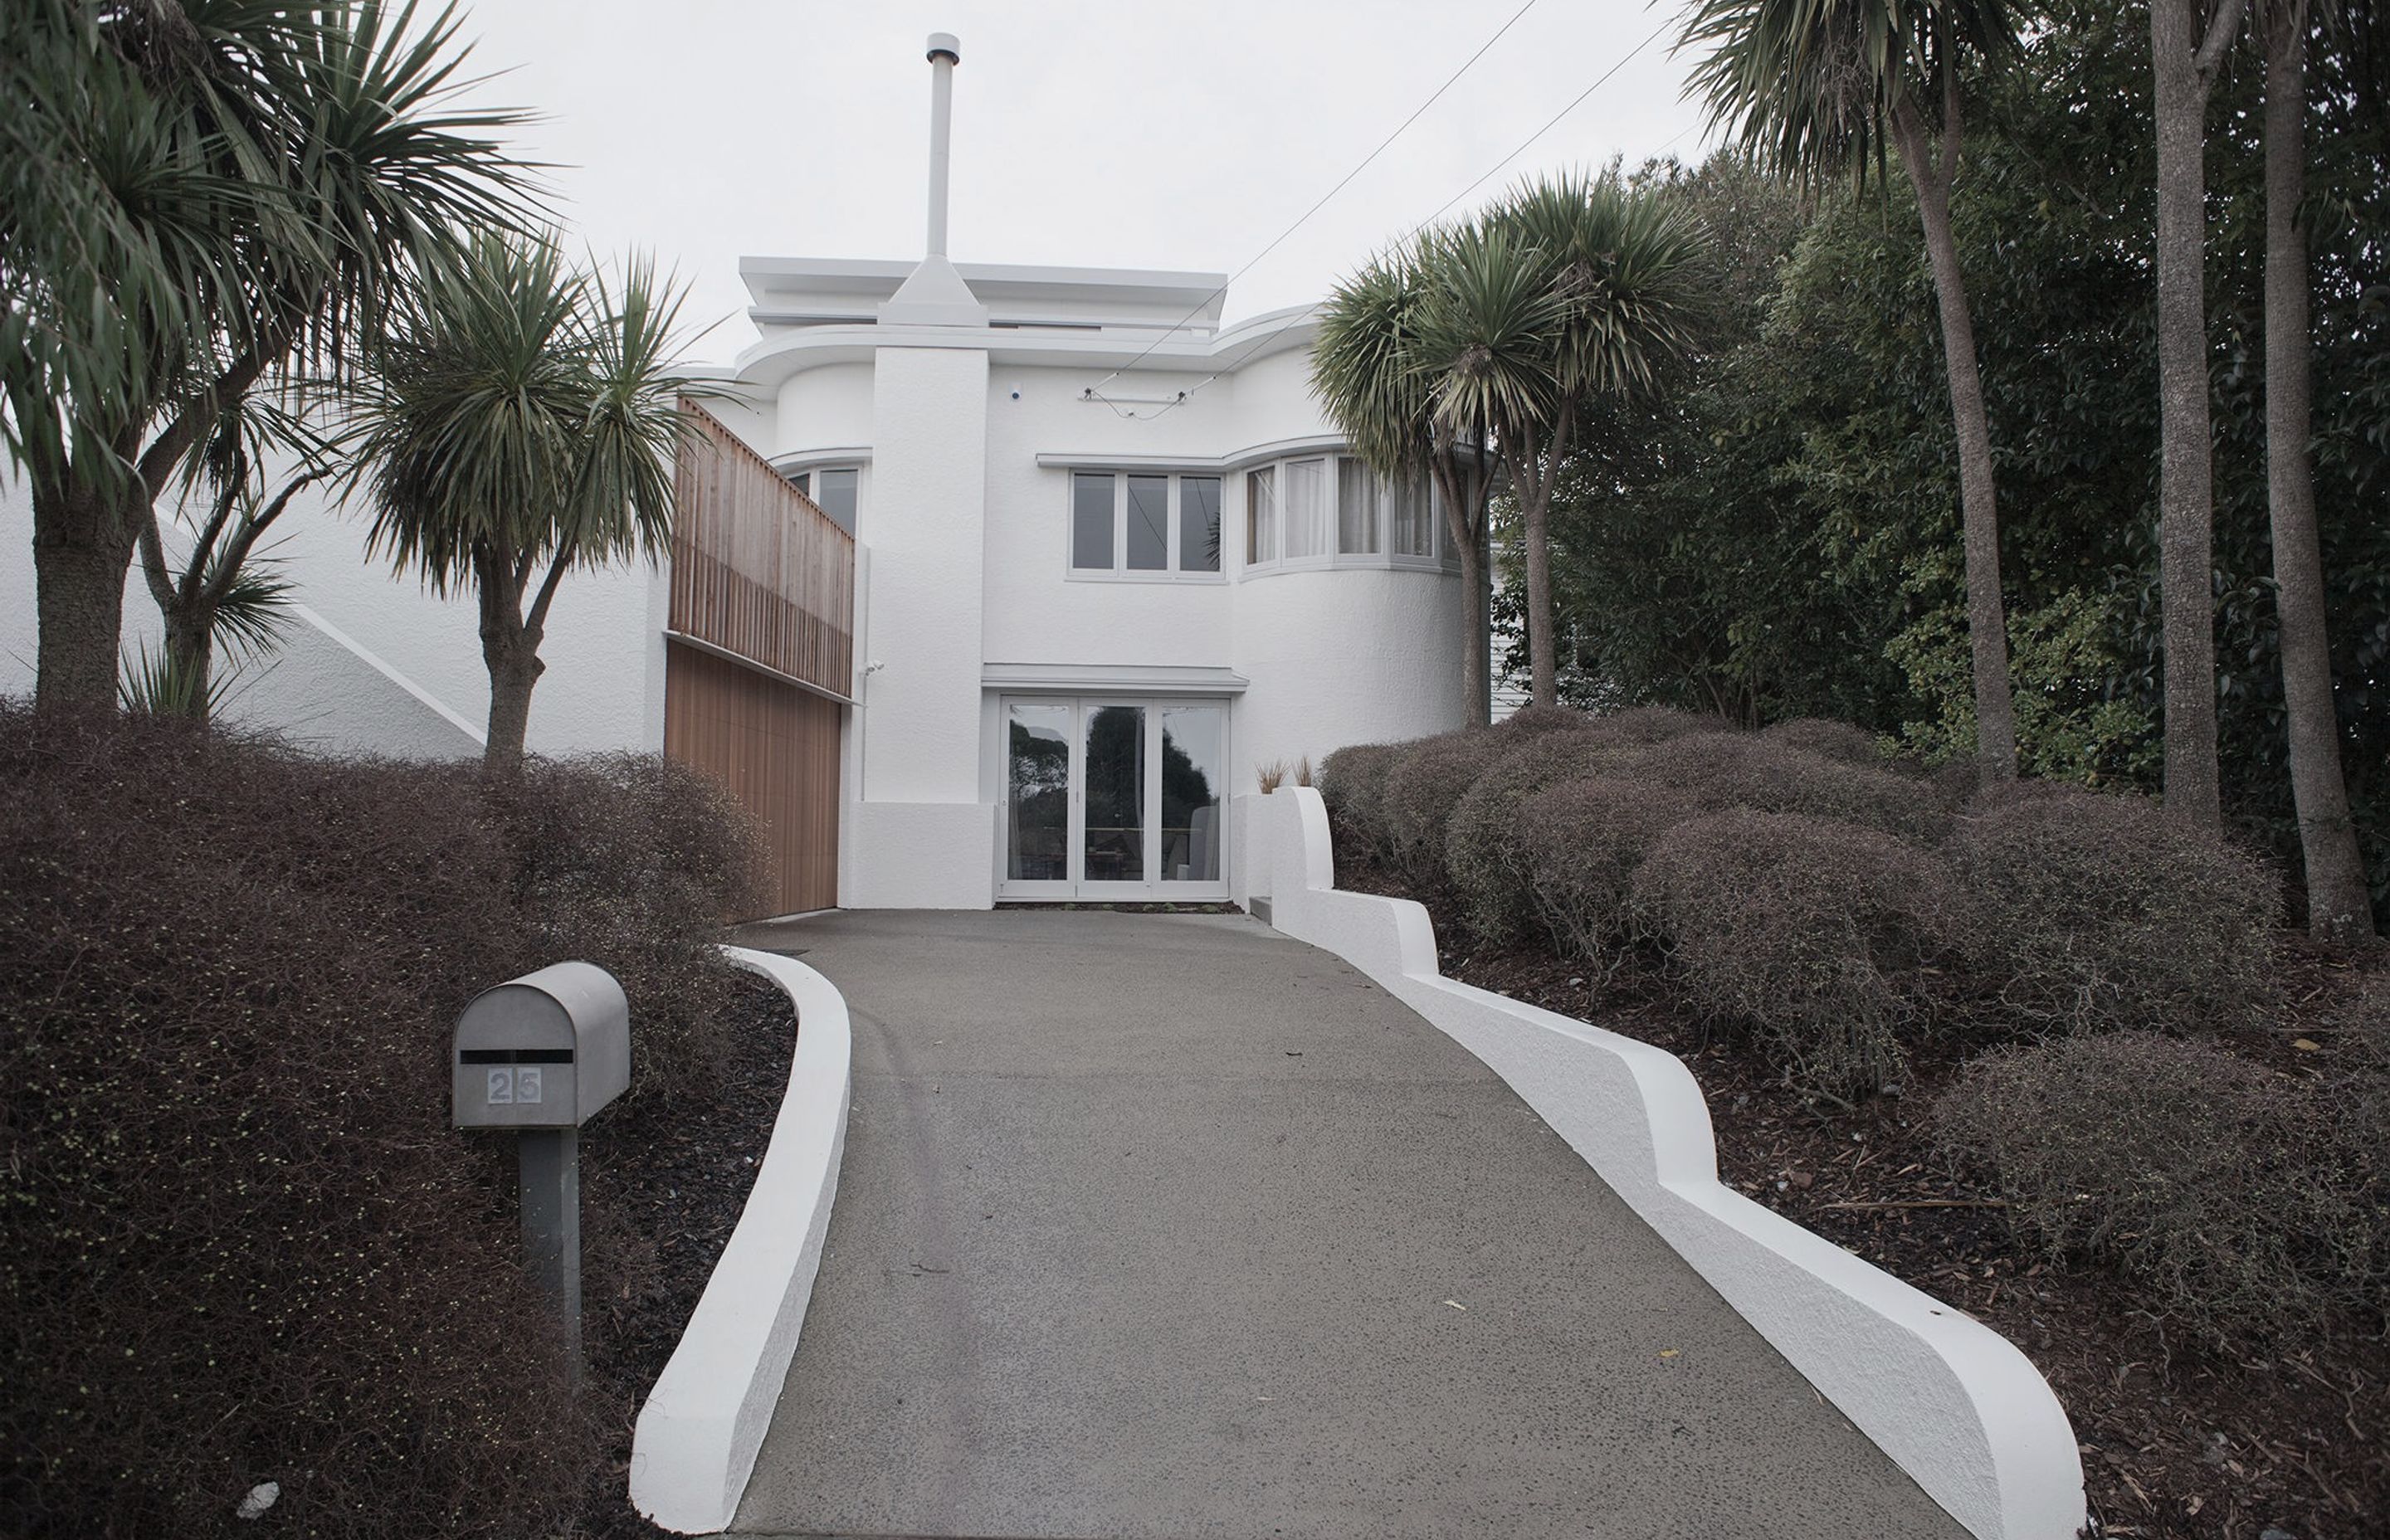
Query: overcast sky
{"type": "Point", "coordinates": [1133, 133]}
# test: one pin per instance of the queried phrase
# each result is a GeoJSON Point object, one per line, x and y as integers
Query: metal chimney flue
{"type": "Point", "coordinates": [945, 52]}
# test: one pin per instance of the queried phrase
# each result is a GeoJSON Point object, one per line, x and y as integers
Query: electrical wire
{"type": "Point", "coordinates": [1344, 182]}
{"type": "Point", "coordinates": [1298, 318]}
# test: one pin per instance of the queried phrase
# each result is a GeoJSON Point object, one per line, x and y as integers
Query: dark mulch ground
{"type": "Point", "coordinates": [2178, 1442]}
{"type": "Point", "coordinates": [663, 1184]}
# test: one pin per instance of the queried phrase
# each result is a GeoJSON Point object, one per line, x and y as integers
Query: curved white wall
{"type": "Point", "coordinates": [827, 406]}
{"type": "Point", "coordinates": [1345, 655]}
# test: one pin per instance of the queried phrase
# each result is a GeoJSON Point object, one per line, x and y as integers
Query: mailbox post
{"type": "Point", "coordinates": [540, 1055]}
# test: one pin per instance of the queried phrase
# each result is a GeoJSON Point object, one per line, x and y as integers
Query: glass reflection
{"type": "Point", "coordinates": [1114, 848]}
{"type": "Point", "coordinates": [1037, 794]}
{"type": "Point", "coordinates": [1191, 758]}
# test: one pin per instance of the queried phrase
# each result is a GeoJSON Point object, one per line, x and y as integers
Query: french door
{"type": "Point", "coordinates": [1114, 798]}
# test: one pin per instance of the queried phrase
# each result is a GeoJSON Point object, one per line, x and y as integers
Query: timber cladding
{"type": "Point", "coordinates": [761, 638]}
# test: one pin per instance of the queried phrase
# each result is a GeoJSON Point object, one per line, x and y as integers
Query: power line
{"type": "Point", "coordinates": [1322, 203]}
{"type": "Point", "coordinates": [1291, 321]}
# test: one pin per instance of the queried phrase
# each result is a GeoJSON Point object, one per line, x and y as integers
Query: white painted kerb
{"type": "Point", "coordinates": [1952, 1402]}
{"type": "Point", "coordinates": [698, 1433]}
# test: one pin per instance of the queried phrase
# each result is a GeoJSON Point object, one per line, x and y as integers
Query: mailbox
{"type": "Point", "coordinates": [546, 1050]}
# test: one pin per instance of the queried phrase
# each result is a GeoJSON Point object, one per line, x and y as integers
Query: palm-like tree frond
{"type": "Point", "coordinates": [1807, 86]}
{"type": "Point", "coordinates": [1366, 366]}
{"type": "Point", "coordinates": [1490, 332]}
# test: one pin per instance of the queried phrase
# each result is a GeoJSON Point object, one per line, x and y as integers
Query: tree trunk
{"type": "Point", "coordinates": [2186, 487]}
{"type": "Point", "coordinates": [2339, 907]}
{"type": "Point", "coordinates": [1543, 659]}
{"type": "Point", "coordinates": [512, 674]}
{"type": "Point", "coordinates": [510, 651]}
{"type": "Point", "coordinates": [83, 551]}
{"type": "Point", "coordinates": [1979, 519]}
{"type": "Point", "coordinates": [190, 652]}
{"type": "Point", "coordinates": [1477, 656]}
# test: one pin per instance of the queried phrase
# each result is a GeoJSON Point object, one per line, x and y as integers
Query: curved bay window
{"type": "Point", "coordinates": [1332, 510]}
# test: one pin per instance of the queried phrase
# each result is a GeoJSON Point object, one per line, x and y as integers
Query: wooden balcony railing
{"type": "Point", "coordinates": [759, 573]}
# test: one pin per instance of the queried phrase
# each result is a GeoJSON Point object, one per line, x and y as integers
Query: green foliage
{"type": "Point", "coordinates": [1782, 540]}
{"type": "Point", "coordinates": [2064, 657]}
{"type": "Point", "coordinates": [1809, 88]}
{"type": "Point", "coordinates": [521, 412]}
{"type": "Point", "coordinates": [196, 193]}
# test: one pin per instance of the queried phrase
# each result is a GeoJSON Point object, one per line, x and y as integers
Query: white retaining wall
{"type": "Point", "coordinates": [698, 1433]}
{"type": "Point", "coordinates": [1953, 1402]}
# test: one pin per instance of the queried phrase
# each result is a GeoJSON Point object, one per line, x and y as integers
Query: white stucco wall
{"type": "Point", "coordinates": [330, 686]}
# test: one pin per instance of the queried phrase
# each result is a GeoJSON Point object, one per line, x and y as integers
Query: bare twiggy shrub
{"type": "Point", "coordinates": [1659, 724]}
{"type": "Point", "coordinates": [1534, 721]}
{"type": "Point", "coordinates": [1825, 941]}
{"type": "Point", "coordinates": [2242, 1200]}
{"type": "Point", "coordinates": [634, 863]}
{"type": "Point", "coordinates": [1731, 770]}
{"type": "Point", "coordinates": [1828, 740]}
{"type": "Point", "coordinates": [2101, 912]}
{"type": "Point", "coordinates": [1420, 791]}
{"type": "Point", "coordinates": [1351, 781]}
{"type": "Point", "coordinates": [241, 1242]}
{"type": "Point", "coordinates": [1582, 841]}
{"type": "Point", "coordinates": [1488, 852]}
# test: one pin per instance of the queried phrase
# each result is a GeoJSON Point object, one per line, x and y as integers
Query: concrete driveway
{"type": "Point", "coordinates": [1166, 1226]}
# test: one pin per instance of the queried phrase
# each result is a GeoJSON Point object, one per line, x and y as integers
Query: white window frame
{"type": "Point", "coordinates": [1441, 557]}
{"type": "Point", "coordinates": [1119, 571]}
{"type": "Point", "coordinates": [807, 478]}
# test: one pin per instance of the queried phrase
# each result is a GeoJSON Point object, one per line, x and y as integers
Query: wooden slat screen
{"type": "Point", "coordinates": [761, 572]}
{"type": "Point", "coordinates": [757, 569]}
{"type": "Point", "coordinates": [775, 747]}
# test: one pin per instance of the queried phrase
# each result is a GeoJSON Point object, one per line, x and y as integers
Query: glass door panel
{"type": "Point", "coordinates": [1113, 779]}
{"type": "Point", "coordinates": [1037, 792]}
{"type": "Point", "coordinates": [1192, 762]}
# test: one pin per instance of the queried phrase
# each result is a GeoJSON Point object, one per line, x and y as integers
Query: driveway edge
{"type": "Point", "coordinates": [1955, 1405]}
{"type": "Point", "coordinates": [699, 1429]}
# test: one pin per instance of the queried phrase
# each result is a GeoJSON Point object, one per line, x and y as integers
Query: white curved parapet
{"type": "Point", "coordinates": [697, 1432]}
{"type": "Point", "coordinates": [1954, 1403]}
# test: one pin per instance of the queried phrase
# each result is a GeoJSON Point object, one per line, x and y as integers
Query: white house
{"type": "Point", "coordinates": [1111, 558]}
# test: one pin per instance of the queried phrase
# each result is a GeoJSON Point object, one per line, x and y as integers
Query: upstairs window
{"type": "Point", "coordinates": [832, 488]}
{"type": "Point", "coordinates": [1335, 511]}
{"type": "Point", "coordinates": [1144, 525]}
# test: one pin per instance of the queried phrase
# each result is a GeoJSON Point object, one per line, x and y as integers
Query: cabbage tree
{"type": "Point", "coordinates": [1818, 89]}
{"type": "Point", "coordinates": [193, 195]}
{"type": "Point", "coordinates": [520, 422]}
{"type": "Point", "coordinates": [1376, 383]}
{"type": "Point", "coordinates": [1571, 288]}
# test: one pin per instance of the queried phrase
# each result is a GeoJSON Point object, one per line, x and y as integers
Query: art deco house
{"type": "Point", "coordinates": [1108, 558]}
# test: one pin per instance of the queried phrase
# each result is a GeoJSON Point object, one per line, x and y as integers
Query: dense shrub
{"type": "Point", "coordinates": [1534, 720]}
{"type": "Point", "coordinates": [633, 863]}
{"type": "Point", "coordinates": [2101, 912]}
{"type": "Point", "coordinates": [1351, 782]}
{"type": "Point", "coordinates": [241, 1243]}
{"type": "Point", "coordinates": [2240, 1200]}
{"type": "Point", "coordinates": [1741, 770]}
{"type": "Point", "coordinates": [1583, 840]}
{"type": "Point", "coordinates": [1487, 854]}
{"type": "Point", "coordinates": [1824, 940]}
{"type": "Point", "coordinates": [1828, 740]}
{"type": "Point", "coordinates": [1421, 788]}
{"type": "Point", "coordinates": [1660, 724]}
